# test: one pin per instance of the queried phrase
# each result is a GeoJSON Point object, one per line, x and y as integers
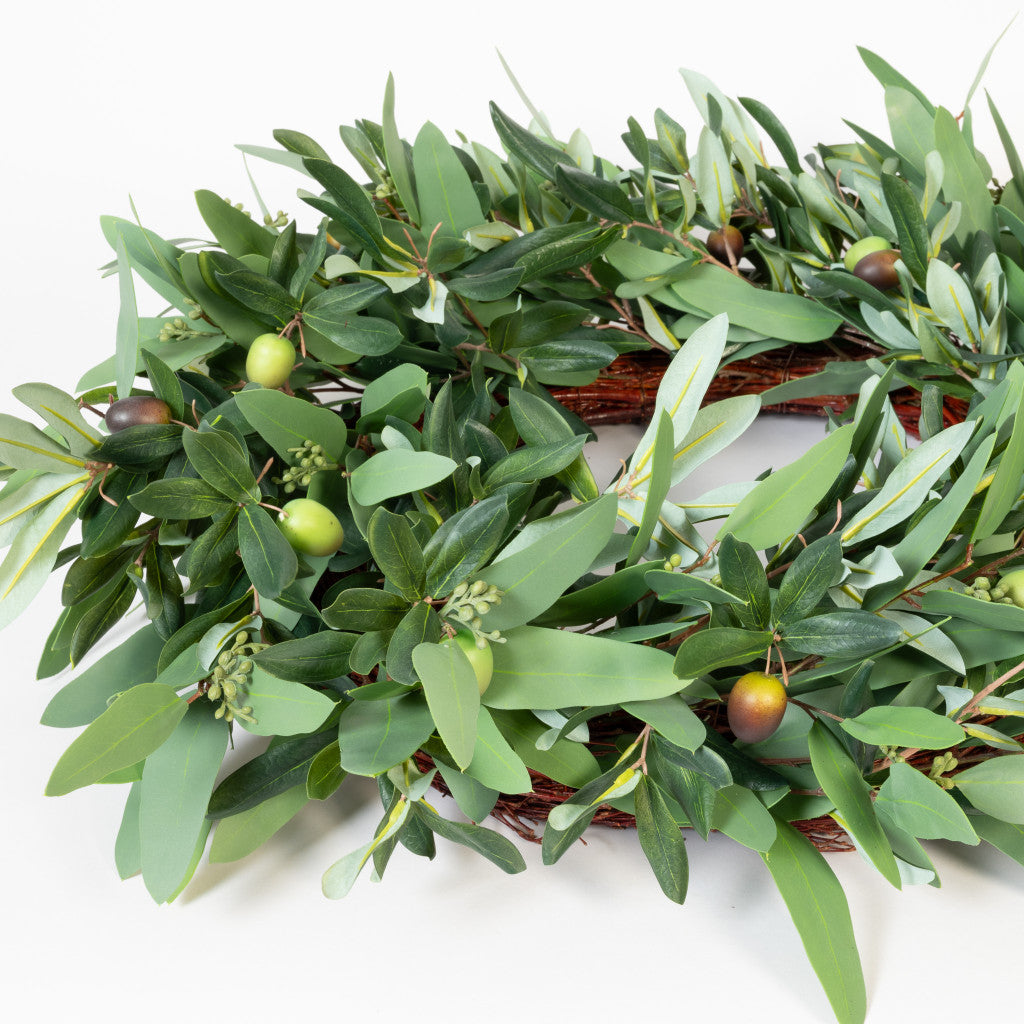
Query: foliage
{"type": "Point", "coordinates": [431, 310]}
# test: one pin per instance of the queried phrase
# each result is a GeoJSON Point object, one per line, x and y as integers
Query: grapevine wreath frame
{"type": "Point", "coordinates": [466, 614]}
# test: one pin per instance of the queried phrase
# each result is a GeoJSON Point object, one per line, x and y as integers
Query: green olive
{"type": "Point", "coordinates": [136, 409]}
{"type": "Point", "coordinates": [724, 241]}
{"type": "Point", "coordinates": [310, 527]}
{"type": "Point", "coordinates": [861, 248]}
{"type": "Point", "coordinates": [481, 658]}
{"type": "Point", "coordinates": [270, 360]}
{"type": "Point", "coordinates": [757, 703]}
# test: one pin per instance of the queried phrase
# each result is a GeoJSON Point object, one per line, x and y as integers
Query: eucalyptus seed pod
{"type": "Point", "coordinates": [479, 587]}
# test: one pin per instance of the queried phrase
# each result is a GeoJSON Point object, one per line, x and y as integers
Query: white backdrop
{"type": "Point", "coordinates": [107, 100]}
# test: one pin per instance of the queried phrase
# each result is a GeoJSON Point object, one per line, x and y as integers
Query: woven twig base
{"type": "Point", "coordinates": [626, 390]}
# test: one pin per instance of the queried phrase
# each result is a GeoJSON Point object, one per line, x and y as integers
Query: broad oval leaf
{"type": "Point", "coordinates": [129, 730]}
{"type": "Point", "coordinates": [283, 708]}
{"type": "Point", "coordinates": [922, 807]}
{"type": "Point", "coordinates": [895, 726]}
{"type": "Point", "coordinates": [453, 696]}
{"type": "Point", "coordinates": [396, 471]}
{"type": "Point", "coordinates": [177, 782]}
{"type": "Point", "coordinates": [777, 507]}
{"type": "Point", "coordinates": [996, 786]}
{"type": "Point", "coordinates": [549, 668]}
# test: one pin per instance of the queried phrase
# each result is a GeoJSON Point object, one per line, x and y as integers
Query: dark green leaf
{"type": "Point", "coordinates": [661, 841]}
{"type": "Point", "coordinates": [268, 558]}
{"type": "Point", "coordinates": [844, 785]}
{"type": "Point", "coordinates": [464, 542]}
{"type": "Point", "coordinates": [236, 231]}
{"type": "Point", "coordinates": [101, 618]}
{"type": "Point", "coordinates": [420, 625]}
{"type": "Point", "coordinates": [216, 457]}
{"type": "Point", "coordinates": [364, 609]}
{"type": "Point", "coordinates": [533, 462]}
{"type": "Point", "coordinates": [566, 253]}
{"type": "Point", "coordinates": [397, 552]}
{"type": "Point", "coordinates": [497, 849]}
{"type": "Point", "coordinates": [719, 647]}
{"type": "Point", "coordinates": [743, 575]}
{"type": "Point", "coordinates": [604, 199]}
{"type": "Point", "coordinates": [842, 634]}
{"type": "Point", "coordinates": [817, 567]}
{"type": "Point", "coordinates": [818, 906]}
{"type": "Point", "coordinates": [259, 294]}
{"type": "Point", "coordinates": [317, 658]}
{"type": "Point", "coordinates": [353, 208]}
{"type": "Point", "coordinates": [534, 152]}
{"type": "Point", "coordinates": [183, 497]}
{"type": "Point", "coordinates": [277, 769]}
{"type": "Point", "coordinates": [910, 226]}
{"type": "Point", "coordinates": [143, 445]}
{"type": "Point", "coordinates": [776, 132]}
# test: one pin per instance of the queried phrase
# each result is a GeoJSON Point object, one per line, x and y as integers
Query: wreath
{"type": "Point", "coordinates": [336, 475]}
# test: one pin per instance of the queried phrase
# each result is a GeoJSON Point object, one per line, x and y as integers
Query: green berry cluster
{"type": "Point", "coordinates": [673, 562]}
{"type": "Point", "coordinates": [385, 189]}
{"type": "Point", "coordinates": [178, 329]}
{"type": "Point", "coordinates": [469, 602]}
{"type": "Point", "coordinates": [230, 678]}
{"type": "Point", "coordinates": [309, 460]}
{"type": "Point", "coordinates": [280, 221]}
{"type": "Point", "coordinates": [944, 762]}
{"type": "Point", "coordinates": [982, 589]}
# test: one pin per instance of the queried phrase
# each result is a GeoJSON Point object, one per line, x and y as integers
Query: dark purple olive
{"type": "Point", "coordinates": [725, 241]}
{"type": "Point", "coordinates": [136, 409]}
{"type": "Point", "coordinates": [877, 269]}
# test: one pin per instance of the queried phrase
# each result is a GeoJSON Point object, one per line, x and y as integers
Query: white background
{"type": "Point", "coordinates": [104, 100]}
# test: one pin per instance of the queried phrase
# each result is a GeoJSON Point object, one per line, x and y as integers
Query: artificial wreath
{"type": "Point", "coordinates": [360, 524]}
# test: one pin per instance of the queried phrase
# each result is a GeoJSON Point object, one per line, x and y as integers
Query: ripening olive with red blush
{"type": "Point", "coordinates": [726, 241]}
{"type": "Point", "coordinates": [756, 705]}
{"type": "Point", "coordinates": [134, 410]}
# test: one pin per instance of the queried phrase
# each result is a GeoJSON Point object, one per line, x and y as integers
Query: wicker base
{"type": "Point", "coordinates": [625, 392]}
